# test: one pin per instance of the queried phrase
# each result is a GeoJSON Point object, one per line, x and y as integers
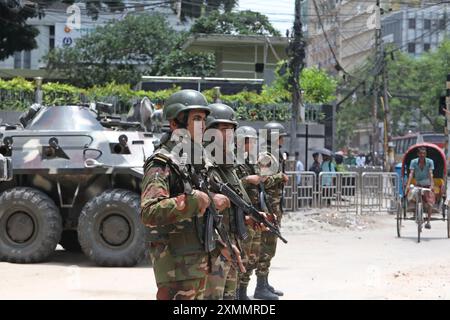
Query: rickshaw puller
{"type": "Point", "coordinates": [421, 169]}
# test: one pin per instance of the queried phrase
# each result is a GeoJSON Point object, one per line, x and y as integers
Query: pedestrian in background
{"type": "Point", "coordinates": [299, 167]}
{"type": "Point", "coordinates": [315, 167]}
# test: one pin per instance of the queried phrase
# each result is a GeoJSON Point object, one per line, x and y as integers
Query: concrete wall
{"type": "Point", "coordinates": [239, 62]}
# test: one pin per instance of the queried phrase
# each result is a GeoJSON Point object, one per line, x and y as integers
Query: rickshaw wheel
{"type": "Point", "coordinates": [444, 210]}
{"type": "Point", "coordinates": [399, 220]}
{"type": "Point", "coordinates": [404, 206]}
{"type": "Point", "coordinates": [448, 227]}
{"type": "Point", "coordinates": [419, 213]}
{"type": "Point", "coordinates": [419, 230]}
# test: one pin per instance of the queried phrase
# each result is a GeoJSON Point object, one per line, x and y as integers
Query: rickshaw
{"type": "Point", "coordinates": [415, 210]}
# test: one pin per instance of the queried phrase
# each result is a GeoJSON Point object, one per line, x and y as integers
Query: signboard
{"type": "Point", "coordinates": [66, 36]}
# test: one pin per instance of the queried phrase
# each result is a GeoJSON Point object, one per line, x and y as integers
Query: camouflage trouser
{"type": "Point", "coordinates": [268, 247]}
{"type": "Point", "coordinates": [178, 277]}
{"type": "Point", "coordinates": [231, 285]}
{"type": "Point", "coordinates": [192, 289]}
{"type": "Point", "coordinates": [221, 282]}
{"type": "Point", "coordinates": [252, 248]}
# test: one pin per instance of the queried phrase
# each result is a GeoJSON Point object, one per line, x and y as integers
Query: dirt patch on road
{"type": "Point", "coordinates": [329, 220]}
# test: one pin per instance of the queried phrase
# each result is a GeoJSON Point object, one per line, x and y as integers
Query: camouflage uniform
{"type": "Point", "coordinates": [251, 246]}
{"type": "Point", "coordinates": [222, 281]}
{"type": "Point", "coordinates": [273, 187]}
{"type": "Point", "coordinates": [180, 262]}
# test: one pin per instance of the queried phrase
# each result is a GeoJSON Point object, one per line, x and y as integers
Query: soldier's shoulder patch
{"type": "Point", "coordinates": [158, 171]}
{"type": "Point", "coordinates": [156, 159]}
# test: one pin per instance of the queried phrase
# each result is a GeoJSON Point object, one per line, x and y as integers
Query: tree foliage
{"type": "Point", "coordinates": [318, 87]}
{"type": "Point", "coordinates": [110, 54]}
{"type": "Point", "coordinates": [414, 86]}
{"type": "Point", "coordinates": [241, 22]}
{"type": "Point", "coordinates": [196, 8]}
{"type": "Point", "coordinates": [16, 35]}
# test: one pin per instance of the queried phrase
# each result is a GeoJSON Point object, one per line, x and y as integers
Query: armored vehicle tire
{"type": "Point", "coordinates": [69, 241]}
{"type": "Point", "coordinates": [110, 230]}
{"type": "Point", "coordinates": [30, 225]}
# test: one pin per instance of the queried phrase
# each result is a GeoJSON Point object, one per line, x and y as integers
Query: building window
{"type": "Point", "coordinates": [18, 60]}
{"type": "Point", "coordinates": [442, 24]}
{"type": "Point", "coordinates": [426, 47]}
{"type": "Point", "coordinates": [27, 59]}
{"type": "Point", "coordinates": [412, 23]}
{"type": "Point", "coordinates": [52, 37]}
{"type": "Point", "coordinates": [411, 47]}
{"type": "Point", "coordinates": [427, 24]}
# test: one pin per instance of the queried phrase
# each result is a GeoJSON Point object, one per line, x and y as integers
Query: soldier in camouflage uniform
{"type": "Point", "coordinates": [274, 184]}
{"type": "Point", "coordinates": [249, 174]}
{"type": "Point", "coordinates": [222, 281]}
{"type": "Point", "coordinates": [172, 209]}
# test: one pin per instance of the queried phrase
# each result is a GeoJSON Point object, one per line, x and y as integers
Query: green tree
{"type": "Point", "coordinates": [318, 87]}
{"type": "Point", "coordinates": [241, 22]}
{"type": "Point", "coordinates": [196, 8]}
{"type": "Point", "coordinates": [110, 54]}
{"type": "Point", "coordinates": [414, 86]}
{"type": "Point", "coordinates": [16, 35]}
{"type": "Point", "coordinates": [179, 63]}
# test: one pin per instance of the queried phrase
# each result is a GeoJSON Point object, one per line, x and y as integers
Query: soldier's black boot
{"type": "Point", "coordinates": [272, 289]}
{"type": "Point", "coordinates": [242, 293]}
{"type": "Point", "coordinates": [262, 291]}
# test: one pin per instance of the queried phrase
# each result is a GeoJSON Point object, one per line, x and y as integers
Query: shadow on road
{"type": "Point", "coordinates": [422, 239]}
{"type": "Point", "coordinates": [65, 258]}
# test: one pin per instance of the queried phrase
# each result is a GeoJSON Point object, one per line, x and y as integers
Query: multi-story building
{"type": "Point", "coordinates": [350, 29]}
{"type": "Point", "coordinates": [342, 30]}
{"type": "Point", "coordinates": [417, 30]}
{"type": "Point", "coordinates": [54, 33]}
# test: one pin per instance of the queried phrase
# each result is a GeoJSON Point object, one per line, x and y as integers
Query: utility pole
{"type": "Point", "coordinates": [297, 55]}
{"type": "Point", "coordinates": [178, 9]}
{"type": "Point", "coordinates": [387, 115]}
{"type": "Point", "coordinates": [447, 107]}
{"type": "Point", "coordinates": [38, 98]}
{"type": "Point", "coordinates": [376, 88]}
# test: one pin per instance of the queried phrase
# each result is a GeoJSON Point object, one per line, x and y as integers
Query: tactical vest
{"type": "Point", "coordinates": [245, 170]}
{"type": "Point", "coordinates": [226, 174]}
{"type": "Point", "coordinates": [183, 237]}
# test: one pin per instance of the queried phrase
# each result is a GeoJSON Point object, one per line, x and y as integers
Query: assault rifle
{"type": "Point", "coordinates": [250, 210]}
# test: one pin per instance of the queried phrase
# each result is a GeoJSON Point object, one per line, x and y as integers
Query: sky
{"type": "Point", "coordinates": [280, 12]}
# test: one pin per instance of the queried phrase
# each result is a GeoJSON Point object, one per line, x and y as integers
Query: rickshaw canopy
{"type": "Point", "coordinates": [434, 153]}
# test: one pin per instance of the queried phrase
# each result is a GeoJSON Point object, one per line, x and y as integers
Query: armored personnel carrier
{"type": "Point", "coordinates": [76, 181]}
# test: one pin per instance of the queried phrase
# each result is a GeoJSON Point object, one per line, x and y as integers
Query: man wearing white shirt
{"type": "Point", "coordinates": [299, 167]}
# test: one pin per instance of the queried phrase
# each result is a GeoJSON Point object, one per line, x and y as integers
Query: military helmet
{"type": "Point", "coordinates": [274, 127]}
{"type": "Point", "coordinates": [221, 113]}
{"type": "Point", "coordinates": [246, 132]}
{"type": "Point", "coordinates": [182, 101]}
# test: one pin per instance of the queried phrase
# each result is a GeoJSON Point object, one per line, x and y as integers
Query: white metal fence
{"type": "Point", "coordinates": [344, 191]}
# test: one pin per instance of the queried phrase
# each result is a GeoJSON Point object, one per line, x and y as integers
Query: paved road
{"type": "Point", "coordinates": [315, 264]}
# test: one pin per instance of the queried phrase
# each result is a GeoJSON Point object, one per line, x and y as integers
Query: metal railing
{"type": "Point", "coordinates": [368, 192]}
{"type": "Point", "coordinates": [379, 192]}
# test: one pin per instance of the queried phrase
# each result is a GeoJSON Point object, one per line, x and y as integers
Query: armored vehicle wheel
{"type": "Point", "coordinates": [110, 230]}
{"type": "Point", "coordinates": [69, 241]}
{"type": "Point", "coordinates": [30, 225]}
